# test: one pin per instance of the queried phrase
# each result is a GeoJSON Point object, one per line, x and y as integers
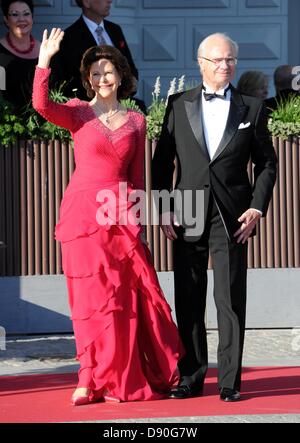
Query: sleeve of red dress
{"type": "Point", "coordinates": [136, 168]}
{"type": "Point", "coordinates": [57, 113]}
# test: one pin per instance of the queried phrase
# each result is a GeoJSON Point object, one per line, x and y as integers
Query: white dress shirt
{"type": "Point", "coordinates": [215, 114]}
{"type": "Point", "coordinates": [93, 26]}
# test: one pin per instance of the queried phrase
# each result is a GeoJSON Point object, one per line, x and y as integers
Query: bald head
{"type": "Point", "coordinates": [283, 77]}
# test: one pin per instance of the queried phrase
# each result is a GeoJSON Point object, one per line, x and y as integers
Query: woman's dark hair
{"type": "Point", "coordinates": [96, 53]}
{"type": "Point", "coordinates": [5, 4]}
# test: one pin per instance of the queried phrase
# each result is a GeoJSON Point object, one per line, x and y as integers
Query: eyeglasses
{"type": "Point", "coordinates": [19, 14]}
{"type": "Point", "coordinates": [232, 61]}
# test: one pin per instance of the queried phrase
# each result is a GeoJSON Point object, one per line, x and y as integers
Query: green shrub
{"type": "Point", "coordinates": [157, 109]}
{"type": "Point", "coordinates": [11, 126]}
{"type": "Point", "coordinates": [128, 103]}
{"type": "Point", "coordinates": [284, 122]}
{"type": "Point", "coordinates": [28, 124]}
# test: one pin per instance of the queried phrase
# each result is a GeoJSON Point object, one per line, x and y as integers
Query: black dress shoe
{"type": "Point", "coordinates": [184, 391]}
{"type": "Point", "coordinates": [228, 394]}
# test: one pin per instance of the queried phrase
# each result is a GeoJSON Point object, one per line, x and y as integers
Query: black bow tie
{"type": "Point", "coordinates": [210, 95]}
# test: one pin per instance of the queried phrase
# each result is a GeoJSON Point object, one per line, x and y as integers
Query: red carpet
{"type": "Point", "coordinates": [45, 399]}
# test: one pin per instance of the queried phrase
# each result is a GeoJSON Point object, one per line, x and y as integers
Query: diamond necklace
{"type": "Point", "coordinates": [107, 117]}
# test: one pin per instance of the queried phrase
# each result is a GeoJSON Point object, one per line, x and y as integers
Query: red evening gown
{"type": "Point", "coordinates": [126, 341]}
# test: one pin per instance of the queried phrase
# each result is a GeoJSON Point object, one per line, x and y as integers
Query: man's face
{"type": "Point", "coordinates": [100, 8]}
{"type": "Point", "coordinates": [220, 67]}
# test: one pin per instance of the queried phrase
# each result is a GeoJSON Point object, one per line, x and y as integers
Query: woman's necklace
{"type": "Point", "coordinates": [19, 51]}
{"type": "Point", "coordinates": [107, 117]}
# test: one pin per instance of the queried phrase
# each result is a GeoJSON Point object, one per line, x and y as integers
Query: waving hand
{"type": "Point", "coordinates": [50, 46]}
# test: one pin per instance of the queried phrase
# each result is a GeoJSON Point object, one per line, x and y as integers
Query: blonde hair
{"type": "Point", "coordinates": [251, 81]}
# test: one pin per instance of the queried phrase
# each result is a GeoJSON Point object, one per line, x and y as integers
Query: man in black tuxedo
{"type": "Point", "coordinates": [214, 131]}
{"type": "Point", "coordinates": [89, 30]}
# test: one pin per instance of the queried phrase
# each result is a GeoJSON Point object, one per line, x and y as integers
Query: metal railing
{"type": "Point", "coordinates": [34, 175]}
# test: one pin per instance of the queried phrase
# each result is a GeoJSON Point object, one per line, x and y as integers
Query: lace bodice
{"type": "Point", "coordinates": [101, 154]}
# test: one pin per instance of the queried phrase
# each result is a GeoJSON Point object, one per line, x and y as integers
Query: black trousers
{"type": "Point", "coordinates": [230, 275]}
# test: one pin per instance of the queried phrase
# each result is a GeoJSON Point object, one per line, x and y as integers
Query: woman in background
{"type": "Point", "coordinates": [19, 52]}
{"type": "Point", "coordinates": [254, 83]}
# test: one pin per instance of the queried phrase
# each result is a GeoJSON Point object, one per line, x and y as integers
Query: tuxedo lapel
{"type": "Point", "coordinates": [236, 115]}
{"type": "Point", "coordinates": [193, 107]}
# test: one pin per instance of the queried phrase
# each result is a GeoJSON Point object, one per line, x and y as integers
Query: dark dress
{"type": "Point", "coordinates": [19, 73]}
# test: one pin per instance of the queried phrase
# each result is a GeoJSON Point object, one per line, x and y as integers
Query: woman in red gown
{"type": "Point", "coordinates": [126, 341]}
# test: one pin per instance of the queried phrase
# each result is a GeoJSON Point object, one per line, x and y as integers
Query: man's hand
{"type": "Point", "coordinates": [249, 220]}
{"type": "Point", "coordinates": [167, 223]}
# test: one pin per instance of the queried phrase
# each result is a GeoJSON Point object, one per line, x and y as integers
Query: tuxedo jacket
{"type": "Point", "coordinates": [224, 176]}
{"type": "Point", "coordinates": [76, 41]}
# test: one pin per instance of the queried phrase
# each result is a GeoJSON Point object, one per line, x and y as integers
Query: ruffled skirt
{"type": "Point", "coordinates": [127, 343]}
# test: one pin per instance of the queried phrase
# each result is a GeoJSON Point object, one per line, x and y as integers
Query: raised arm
{"type": "Point", "coordinates": [59, 114]}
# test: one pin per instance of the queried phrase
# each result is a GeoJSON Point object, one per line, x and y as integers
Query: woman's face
{"type": "Point", "coordinates": [104, 79]}
{"type": "Point", "coordinates": [19, 19]}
